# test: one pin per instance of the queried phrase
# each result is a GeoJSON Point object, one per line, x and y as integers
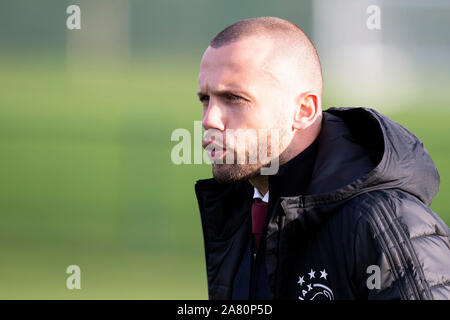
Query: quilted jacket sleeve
{"type": "Point", "coordinates": [402, 250]}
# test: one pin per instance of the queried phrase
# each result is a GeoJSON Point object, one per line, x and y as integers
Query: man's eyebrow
{"type": "Point", "coordinates": [225, 92]}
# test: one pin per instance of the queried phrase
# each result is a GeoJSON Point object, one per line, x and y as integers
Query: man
{"type": "Point", "coordinates": [347, 214]}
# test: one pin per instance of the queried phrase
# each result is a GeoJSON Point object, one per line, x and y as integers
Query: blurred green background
{"type": "Point", "coordinates": [86, 118]}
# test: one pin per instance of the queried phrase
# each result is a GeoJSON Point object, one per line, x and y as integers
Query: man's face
{"type": "Point", "coordinates": [245, 85]}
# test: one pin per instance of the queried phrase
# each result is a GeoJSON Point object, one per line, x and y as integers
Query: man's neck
{"type": "Point", "coordinates": [261, 183]}
{"type": "Point", "coordinates": [298, 144]}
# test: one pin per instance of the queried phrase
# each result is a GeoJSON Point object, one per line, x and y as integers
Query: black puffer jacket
{"type": "Point", "coordinates": [367, 210]}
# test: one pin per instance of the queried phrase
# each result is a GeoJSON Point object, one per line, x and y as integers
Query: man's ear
{"type": "Point", "coordinates": [308, 104]}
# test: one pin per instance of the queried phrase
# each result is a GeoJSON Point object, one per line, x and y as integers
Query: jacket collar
{"type": "Point", "coordinates": [294, 176]}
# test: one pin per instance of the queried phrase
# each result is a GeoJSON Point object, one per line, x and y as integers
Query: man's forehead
{"type": "Point", "coordinates": [247, 61]}
{"type": "Point", "coordinates": [252, 50]}
{"type": "Point", "coordinates": [230, 80]}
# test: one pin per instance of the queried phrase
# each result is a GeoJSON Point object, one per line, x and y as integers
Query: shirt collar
{"type": "Point", "coordinates": [257, 194]}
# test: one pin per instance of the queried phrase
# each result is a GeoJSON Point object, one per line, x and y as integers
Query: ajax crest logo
{"type": "Point", "coordinates": [314, 286]}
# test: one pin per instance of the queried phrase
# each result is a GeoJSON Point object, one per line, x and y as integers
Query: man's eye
{"type": "Point", "coordinates": [234, 97]}
{"type": "Point", "coordinates": [204, 99]}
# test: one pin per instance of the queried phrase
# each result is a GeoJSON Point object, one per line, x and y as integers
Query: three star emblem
{"type": "Point", "coordinates": [312, 275]}
{"type": "Point", "coordinates": [315, 288]}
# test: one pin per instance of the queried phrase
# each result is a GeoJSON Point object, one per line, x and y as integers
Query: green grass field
{"type": "Point", "coordinates": [86, 179]}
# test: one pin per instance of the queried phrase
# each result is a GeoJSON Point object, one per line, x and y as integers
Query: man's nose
{"type": "Point", "coordinates": [213, 117]}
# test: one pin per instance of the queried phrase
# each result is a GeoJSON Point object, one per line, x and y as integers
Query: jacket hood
{"type": "Point", "coordinates": [361, 150]}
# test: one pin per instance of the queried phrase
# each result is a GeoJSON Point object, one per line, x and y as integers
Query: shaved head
{"type": "Point", "coordinates": [260, 73]}
{"type": "Point", "coordinates": [288, 39]}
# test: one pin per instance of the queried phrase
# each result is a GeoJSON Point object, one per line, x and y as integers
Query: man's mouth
{"type": "Point", "coordinates": [217, 153]}
{"type": "Point", "coordinates": [213, 151]}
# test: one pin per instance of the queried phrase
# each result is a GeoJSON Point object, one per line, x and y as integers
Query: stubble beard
{"type": "Point", "coordinates": [228, 173]}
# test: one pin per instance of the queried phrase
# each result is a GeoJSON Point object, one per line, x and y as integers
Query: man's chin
{"type": "Point", "coordinates": [229, 173]}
